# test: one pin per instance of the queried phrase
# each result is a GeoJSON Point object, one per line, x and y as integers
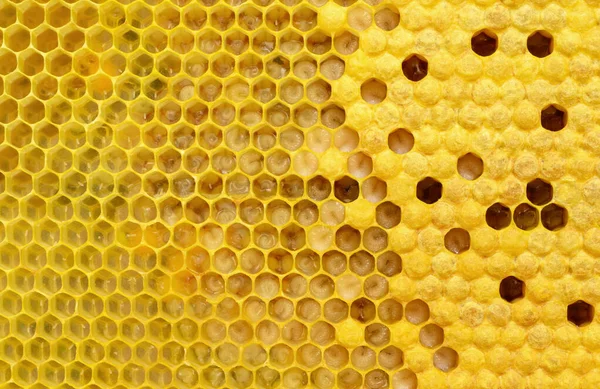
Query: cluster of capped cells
{"type": "Point", "coordinates": [299, 194]}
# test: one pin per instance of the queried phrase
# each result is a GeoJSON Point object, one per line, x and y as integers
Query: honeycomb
{"type": "Point", "coordinates": [299, 194]}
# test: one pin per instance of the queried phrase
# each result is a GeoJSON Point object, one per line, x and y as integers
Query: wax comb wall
{"type": "Point", "coordinates": [299, 194]}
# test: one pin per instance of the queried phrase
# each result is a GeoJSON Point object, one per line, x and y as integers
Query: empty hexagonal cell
{"type": "Point", "coordinates": [373, 91]}
{"type": "Point", "coordinates": [16, 38]}
{"type": "Point", "coordinates": [498, 216]}
{"type": "Point", "coordinates": [85, 14]}
{"type": "Point", "coordinates": [484, 43]}
{"type": "Point", "coordinates": [457, 240]}
{"type": "Point", "coordinates": [8, 61]}
{"type": "Point", "coordinates": [417, 312]}
{"type": "Point", "coordinates": [445, 359]}
{"type": "Point", "coordinates": [526, 217]}
{"type": "Point", "coordinates": [429, 190]}
{"type": "Point", "coordinates": [554, 118]}
{"type": "Point", "coordinates": [31, 15]}
{"type": "Point", "coordinates": [539, 192]}
{"type": "Point", "coordinates": [31, 62]}
{"type": "Point", "coordinates": [580, 313]}
{"type": "Point", "coordinates": [470, 166]}
{"type": "Point", "coordinates": [540, 44]}
{"type": "Point", "coordinates": [512, 288]}
{"type": "Point", "coordinates": [554, 217]}
{"type": "Point", "coordinates": [98, 39]}
{"type": "Point", "coordinates": [415, 67]}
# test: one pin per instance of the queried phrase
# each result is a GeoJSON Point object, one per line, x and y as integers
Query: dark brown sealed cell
{"type": "Point", "coordinates": [512, 288]}
{"type": "Point", "coordinates": [415, 67]}
{"type": "Point", "coordinates": [346, 189]}
{"type": "Point", "coordinates": [540, 44]}
{"type": "Point", "coordinates": [554, 217]}
{"type": "Point", "coordinates": [526, 217]}
{"type": "Point", "coordinates": [498, 216]}
{"type": "Point", "coordinates": [429, 190]}
{"type": "Point", "coordinates": [539, 192]}
{"type": "Point", "coordinates": [484, 43]}
{"type": "Point", "coordinates": [554, 118]}
{"type": "Point", "coordinates": [457, 240]}
{"type": "Point", "coordinates": [580, 313]}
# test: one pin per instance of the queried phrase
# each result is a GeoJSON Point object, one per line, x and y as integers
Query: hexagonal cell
{"type": "Point", "coordinates": [71, 38]}
{"type": "Point", "coordinates": [512, 288]}
{"type": "Point", "coordinates": [429, 190]}
{"type": "Point", "coordinates": [112, 14]}
{"type": "Point", "coordinates": [98, 39]}
{"type": "Point", "coordinates": [360, 165]}
{"type": "Point", "coordinates": [373, 91]}
{"type": "Point", "coordinates": [277, 18]}
{"type": "Point", "coordinates": [554, 118]}
{"type": "Point", "coordinates": [540, 44]}
{"type": "Point", "coordinates": [526, 217]}
{"type": "Point", "coordinates": [431, 336]}
{"type": "Point", "coordinates": [348, 239]}
{"type": "Point", "coordinates": [154, 40]}
{"type": "Point", "coordinates": [45, 39]}
{"type": "Point", "coordinates": [401, 141]}
{"type": "Point", "coordinates": [498, 216]}
{"type": "Point", "coordinates": [387, 18]}
{"type": "Point", "coordinates": [58, 63]}
{"type": "Point", "coordinates": [417, 312]}
{"type": "Point", "coordinates": [194, 17]}
{"type": "Point", "coordinates": [17, 85]}
{"type": "Point", "coordinates": [57, 14]}
{"type": "Point", "coordinates": [470, 166]}
{"type": "Point", "coordinates": [31, 15]}
{"type": "Point", "coordinates": [346, 43]}
{"type": "Point", "coordinates": [318, 43]}
{"type": "Point", "coordinates": [346, 189]}
{"type": "Point", "coordinates": [580, 313]}
{"type": "Point", "coordinates": [263, 43]}
{"type": "Point", "coordinates": [304, 19]}
{"type": "Point", "coordinates": [374, 190]}
{"type": "Point", "coordinates": [250, 18]}
{"type": "Point", "coordinates": [16, 38]}
{"type": "Point", "coordinates": [445, 359]}
{"type": "Point", "coordinates": [362, 310]}
{"type": "Point", "coordinates": [250, 66]}
{"type": "Point", "coordinates": [167, 17]}
{"type": "Point", "coordinates": [360, 18]}
{"type": "Point", "coordinates": [85, 14]}
{"type": "Point", "coordinates": [31, 62]}
{"type": "Point", "coordinates": [415, 67]}
{"type": "Point", "coordinates": [554, 217]}
{"type": "Point", "coordinates": [8, 61]}
{"type": "Point", "coordinates": [8, 15]}
{"type": "Point", "coordinates": [539, 192]}
{"type": "Point", "coordinates": [484, 43]}
{"type": "Point", "coordinates": [139, 15]}
{"type": "Point", "coordinates": [222, 18]}
{"type": "Point", "coordinates": [223, 65]}
{"type": "Point", "coordinates": [457, 240]}
{"type": "Point", "coordinates": [126, 39]}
